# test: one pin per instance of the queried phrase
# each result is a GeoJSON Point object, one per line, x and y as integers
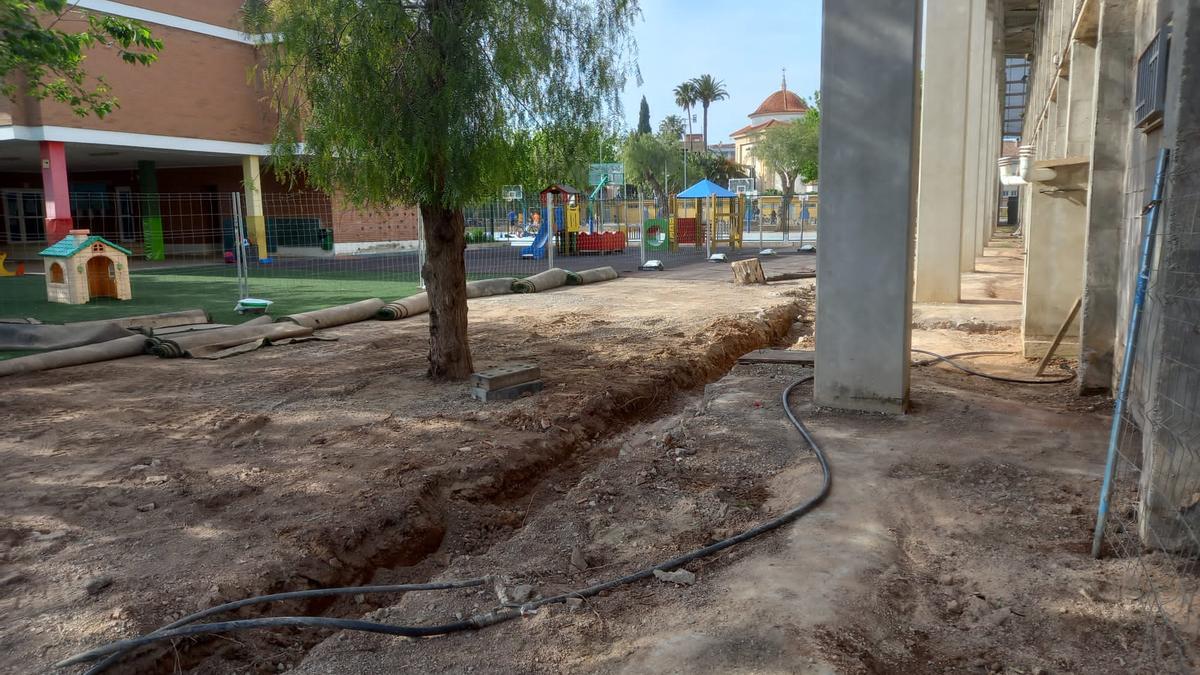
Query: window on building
{"type": "Point", "coordinates": [1152, 82]}
{"type": "Point", "coordinates": [24, 215]}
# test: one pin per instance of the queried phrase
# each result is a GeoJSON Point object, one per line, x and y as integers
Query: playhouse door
{"type": "Point", "coordinates": [102, 278]}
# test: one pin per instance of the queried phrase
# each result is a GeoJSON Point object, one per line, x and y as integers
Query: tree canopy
{"type": "Point", "coordinates": [707, 90]}
{"type": "Point", "coordinates": [558, 155]}
{"type": "Point", "coordinates": [51, 60]}
{"type": "Point", "coordinates": [417, 102]}
{"type": "Point", "coordinates": [671, 126]}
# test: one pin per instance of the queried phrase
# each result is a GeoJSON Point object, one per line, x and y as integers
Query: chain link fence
{"type": "Point", "coordinates": [1152, 527]}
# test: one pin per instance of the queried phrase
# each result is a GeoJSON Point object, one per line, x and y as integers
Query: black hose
{"type": "Point", "coordinates": [118, 649]}
{"type": "Point", "coordinates": [116, 656]}
{"type": "Point", "coordinates": [949, 360]}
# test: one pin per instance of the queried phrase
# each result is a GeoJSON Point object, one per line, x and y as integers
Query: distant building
{"type": "Point", "coordinates": [726, 150]}
{"type": "Point", "coordinates": [693, 142]}
{"type": "Point", "coordinates": [781, 107]}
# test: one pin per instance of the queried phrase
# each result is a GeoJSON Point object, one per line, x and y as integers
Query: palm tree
{"type": "Point", "coordinates": [708, 89]}
{"type": "Point", "coordinates": [685, 97]}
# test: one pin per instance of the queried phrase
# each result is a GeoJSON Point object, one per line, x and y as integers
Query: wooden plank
{"type": "Point", "coordinates": [507, 375]}
{"type": "Point", "coordinates": [1062, 331]}
{"type": "Point", "coordinates": [799, 357]}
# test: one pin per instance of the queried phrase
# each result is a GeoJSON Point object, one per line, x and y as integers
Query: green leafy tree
{"type": "Point", "coordinates": [559, 154]}
{"type": "Point", "coordinates": [671, 126]}
{"type": "Point", "coordinates": [685, 97]}
{"type": "Point", "coordinates": [654, 162]}
{"type": "Point", "coordinates": [718, 168]}
{"type": "Point", "coordinates": [791, 151]}
{"type": "Point", "coordinates": [708, 90]}
{"type": "Point", "coordinates": [49, 61]}
{"type": "Point", "coordinates": [415, 102]}
{"type": "Point", "coordinates": [644, 118]}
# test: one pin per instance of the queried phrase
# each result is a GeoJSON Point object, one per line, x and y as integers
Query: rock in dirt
{"type": "Point", "coordinates": [48, 536]}
{"type": "Point", "coordinates": [574, 603]}
{"type": "Point", "coordinates": [522, 593]}
{"type": "Point", "coordinates": [679, 576]}
{"type": "Point", "coordinates": [578, 559]}
{"type": "Point", "coordinates": [148, 506]}
{"type": "Point", "coordinates": [157, 479]}
{"type": "Point", "coordinates": [97, 584]}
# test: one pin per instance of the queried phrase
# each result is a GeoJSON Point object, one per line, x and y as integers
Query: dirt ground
{"type": "Point", "coordinates": [955, 539]}
{"type": "Point", "coordinates": [143, 489]}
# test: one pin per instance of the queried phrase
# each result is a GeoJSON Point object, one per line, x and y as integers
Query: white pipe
{"type": "Point", "coordinates": [1025, 162]}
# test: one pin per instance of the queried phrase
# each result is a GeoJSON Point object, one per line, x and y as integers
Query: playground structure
{"type": "Point", "coordinates": [83, 266]}
{"type": "Point", "coordinates": [562, 215]}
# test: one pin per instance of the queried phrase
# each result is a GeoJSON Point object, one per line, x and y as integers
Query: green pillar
{"type": "Point", "coordinates": [152, 224]}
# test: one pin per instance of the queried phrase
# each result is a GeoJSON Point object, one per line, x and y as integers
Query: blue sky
{"type": "Point", "coordinates": [746, 44]}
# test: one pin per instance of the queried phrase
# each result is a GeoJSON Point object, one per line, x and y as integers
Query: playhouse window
{"type": "Point", "coordinates": [97, 248]}
{"type": "Point", "coordinates": [56, 274]}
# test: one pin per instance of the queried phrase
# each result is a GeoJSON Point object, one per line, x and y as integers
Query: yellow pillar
{"type": "Point", "coordinates": [256, 222]}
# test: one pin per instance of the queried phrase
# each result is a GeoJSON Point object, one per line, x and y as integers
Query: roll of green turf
{"type": "Point", "coordinates": [75, 356]}
{"type": "Point", "coordinates": [486, 287]}
{"type": "Point", "coordinates": [592, 276]}
{"type": "Point", "coordinates": [404, 307]}
{"type": "Point", "coordinates": [208, 341]}
{"type": "Point", "coordinates": [337, 316]}
{"type": "Point", "coordinates": [542, 281]}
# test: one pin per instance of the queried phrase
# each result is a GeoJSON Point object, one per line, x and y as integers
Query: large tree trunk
{"type": "Point", "coordinates": [705, 127]}
{"type": "Point", "coordinates": [785, 205]}
{"type": "Point", "coordinates": [445, 275]}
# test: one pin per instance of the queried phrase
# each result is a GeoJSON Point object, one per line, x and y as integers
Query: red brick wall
{"type": "Point", "coordinates": [351, 224]}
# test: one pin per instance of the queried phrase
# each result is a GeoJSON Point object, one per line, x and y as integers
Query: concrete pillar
{"type": "Point", "coordinates": [1106, 196]}
{"type": "Point", "coordinates": [55, 190]}
{"type": "Point", "coordinates": [977, 73]}
{"type": "Point", "coordinates": [1080, 122]}
{"type": "Point", "coordinates": [152, 223]}
{"type": "Point", "coordinates": [985, 156]}
{"type": "Point", "coordinates": [869, 160]}
{"type": "Point", "coordinates": [1054, 237]}
{"type": "Point", "coordinates": [256, 222]}
{"type": "Point", "coordinates": [943, 151]}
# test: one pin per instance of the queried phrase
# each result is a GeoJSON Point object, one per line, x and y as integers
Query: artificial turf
{"type": "Point", "coordinates": [213, 288]}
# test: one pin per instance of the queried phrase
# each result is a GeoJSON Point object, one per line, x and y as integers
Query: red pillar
{"type": "Point", "coordinates": [54, 186]}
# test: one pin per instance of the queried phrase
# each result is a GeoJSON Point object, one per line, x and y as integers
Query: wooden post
{"type": "Point", "coordinates": [1062, 331]}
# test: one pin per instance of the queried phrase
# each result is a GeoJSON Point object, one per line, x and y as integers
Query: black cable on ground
{"type": "Point", "coordinates": [116, 656]}
{"type": "Point", "coordinates": [116, 650]}
{"type": "Point", "coordinates": [949, 360]}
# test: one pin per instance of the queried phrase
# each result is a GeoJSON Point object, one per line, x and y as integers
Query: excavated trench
{"type": "Point", "coordinates": [496, 493]}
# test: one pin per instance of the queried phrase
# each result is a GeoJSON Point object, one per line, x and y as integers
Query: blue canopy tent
{"type": "Point", "coordinates": [706, 189]}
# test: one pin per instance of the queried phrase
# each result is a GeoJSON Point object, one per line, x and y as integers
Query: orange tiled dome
{"type": "Point", "coordinates": [782, 101]}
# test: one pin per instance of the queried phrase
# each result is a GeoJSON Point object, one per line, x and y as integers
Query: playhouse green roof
{"type": "Point", "coordinates": [68, 247]}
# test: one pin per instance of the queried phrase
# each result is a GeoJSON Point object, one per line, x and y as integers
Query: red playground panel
{"type": "Point", "coordinates": [685, 230]}
{"type": "Point", "coordinates": [602, 242]}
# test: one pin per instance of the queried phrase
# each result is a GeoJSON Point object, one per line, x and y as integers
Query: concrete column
{"type": "Point", "coordinates": [944, 152]}
{"type": "Point", "coordinates": [869, 160]}
{"type": "Point", "coordinates": [977, 74]}
{"type": "Point", "coordinates": [256, 222]}
{"type": "Point", "coordinates": [1080, 122]}
{"type": "Point", "coordinates": [1106, 196]}
{"type": "Point", "coordinates": [985, 156]}
{"type": "Point", "coordinates": [152, 224]}
{"type": "Point", "coordinates": [55, 190]}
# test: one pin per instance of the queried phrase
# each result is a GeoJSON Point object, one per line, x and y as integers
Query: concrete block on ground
{"type": "Point", "coordinates": [507, 375]}
{"type": "Point", "coordinates": [507, 393]}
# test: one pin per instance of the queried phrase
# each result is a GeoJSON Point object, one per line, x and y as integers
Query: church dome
{"type": "Point", "coordinates": [781, 102]}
